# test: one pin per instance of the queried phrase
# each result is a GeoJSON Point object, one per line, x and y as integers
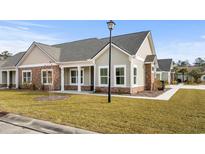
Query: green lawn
{"type": "Point", "coordinates": [184, 113]}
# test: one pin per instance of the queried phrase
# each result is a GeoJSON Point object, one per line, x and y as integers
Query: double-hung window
{"type": "Point", "coordinates": [103, 70]}
{"type": "Point", "coordinates": [26, 77]}
{"type": "Point", "coordinates": [47, 77]}
{"type": "Point", "coordinates": [120, 75]}
{"type": "Point", "coordinates": [74, 76]}
{"type": "Point", "coordinates": [135, 75]}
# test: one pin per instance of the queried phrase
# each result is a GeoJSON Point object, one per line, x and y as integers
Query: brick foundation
{"type": "Point", "coordinates": [36, 78]}
{"type": "Point", "coordinates": [118, 90]}
{"type": "Point", "coordinates": [137, 89]}
{"type": "Point", "coordinates": [74, 87]}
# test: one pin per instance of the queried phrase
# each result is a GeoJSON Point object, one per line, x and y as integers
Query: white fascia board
{"type": "Point", "coordinates": [106, 47]}
{"type": "Point", "coordinates": [77, 63]}
{"type": "Point", "coordinates": [29, 51]}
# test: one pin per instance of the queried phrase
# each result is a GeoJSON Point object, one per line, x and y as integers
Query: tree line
{"type": "Point", "coordinates": [198, 62]}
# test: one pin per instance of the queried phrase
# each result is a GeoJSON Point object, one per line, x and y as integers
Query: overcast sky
{"type": "Point", "coordinates": [183, 40]}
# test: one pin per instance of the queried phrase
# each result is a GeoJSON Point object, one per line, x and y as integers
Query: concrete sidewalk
{"type": "Point", "coordinates": [41, 126]}
{"type": "Point", "coordinates": [199, 87]}
{"type": "Point", "coordinates": [164, 97]}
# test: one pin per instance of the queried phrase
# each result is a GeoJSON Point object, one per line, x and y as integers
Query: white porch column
{"type": "Point", "coordinates": [17, 78]}
{"type": "Point", "coordinates": [1, 76]}
{"type": "Point", "coordinates": [79, 78]}
{"type": "Point", "coordinates": [94, 78]}
{"type": "Point", "coordinates": [62, 78]}
{"type": "Point", "coordinates": [169, 77]}
{"type": "Point", "coordinates": [8, 78]}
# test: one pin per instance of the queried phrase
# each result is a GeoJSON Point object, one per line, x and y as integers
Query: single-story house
{"type": "Point", "coordinates": [83, 65]}
{"type": "Point", "coordinates": [165, 70]}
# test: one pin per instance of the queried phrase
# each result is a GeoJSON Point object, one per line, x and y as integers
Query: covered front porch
{"type": "Point", "coordinates": [9, 78]}
{"type": "Point", "coordinates": [77, 78]}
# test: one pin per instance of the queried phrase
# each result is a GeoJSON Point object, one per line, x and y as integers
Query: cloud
{"type": "Point", "coordinates": [182, 50]}
{"type": "Point", "coordinates": [29, 24]}
{"type": "Point", "coordinates": [19, 38]}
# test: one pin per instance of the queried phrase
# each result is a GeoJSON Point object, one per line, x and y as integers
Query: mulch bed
{"type": "Point", "coordinates": [50, 98]}
{"type": "Point", "coordinates": [150, 93]}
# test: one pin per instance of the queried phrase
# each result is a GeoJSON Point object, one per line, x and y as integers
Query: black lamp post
{"type": "Point", "coordinates": [110, 25]}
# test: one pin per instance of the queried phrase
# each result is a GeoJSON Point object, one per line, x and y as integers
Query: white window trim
{"type": "Point", "coordinates": [160, 75]}
{"type": "Point", "coordinates": [75, 69]}
{"type": "Point", "coordinates": [43, 70]}
{"type": "Point", "coordinates": [25, 71]}
{"type": "Point", "coordinates": [125, 78]}
{"type": "Point", "coordinates": [135, 66]}
{"type": "Point", "coordinates": [99, 77]}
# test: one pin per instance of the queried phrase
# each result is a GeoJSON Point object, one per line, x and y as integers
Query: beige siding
{"type": "Point", "coordinates": [118, 58]}
{"type": "Point", "coordinates": [13, 77]}
{"type": "Point", "coordinates": [4, 77]}
{"type": "Point", "coordinates": [36, 56]}
{"type": "Point", "coordinates": [145, 49]}
{"type": "Point", "coordinates": [86, 75]}
{"type": "Point", "coordinates": [140, 72]}
{"type": "Point", "coordinates": [0, 77]}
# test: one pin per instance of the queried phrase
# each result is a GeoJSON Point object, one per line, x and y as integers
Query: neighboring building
{"type": "Point", "coordinates": [183, 77]}
{"type": "Point", "coordinates": [83, 65]}
{"type": "Point", "coordinates": [165, 71]}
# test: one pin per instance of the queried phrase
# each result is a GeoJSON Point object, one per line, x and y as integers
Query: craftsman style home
{"type": "Point", "coordinates": [83, 65]}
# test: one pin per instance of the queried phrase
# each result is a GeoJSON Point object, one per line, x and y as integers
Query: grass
{"type": "Point", "coordinates": [184, 113]}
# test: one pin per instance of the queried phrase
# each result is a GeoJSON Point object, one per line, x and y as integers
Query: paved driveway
{"type": "Point", "coordinates": [6, 128]}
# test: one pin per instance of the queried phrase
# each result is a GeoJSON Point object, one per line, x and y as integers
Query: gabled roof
{"type": "Point", "coordinates": [85, 49]}
{"type": "Point", "coordinates": [79, 50]}
{"type": "Point", "coordinates": [88, 48]}
{"type": "Point", "coordinates": [150, 58]}
{"type": "Point", "coordinates": [13, 60]}
{"type": "Point", "coordinates": [129, 42]}
{"type": "Point", "coordinates": [164, 64]}
{"type": "Point", "coordinates": [52, 51]}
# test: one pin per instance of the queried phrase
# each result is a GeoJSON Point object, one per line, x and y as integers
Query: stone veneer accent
{"type": "Point", "coordinates": [74, 87]}
{"type": "Point", "coordinates": [149, 77]}
{"type": "Point", "coordinates": [135, 90]}
{"type": "Point", "coordinates": [36, 78]}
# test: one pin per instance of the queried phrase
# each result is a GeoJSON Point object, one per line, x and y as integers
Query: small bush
{"type": "Point", "coordinates": [157, 84]}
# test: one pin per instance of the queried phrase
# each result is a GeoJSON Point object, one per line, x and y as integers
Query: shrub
{"type": "Point", "coordinates": [196, 74]}
{"type": "Point", "coordinates": [174, 82]}
{"type": "Point", "coordinates": [157, 85]}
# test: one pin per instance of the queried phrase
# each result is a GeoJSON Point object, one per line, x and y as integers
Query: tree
{"type": "Point", "coordinates": [183, 63]}
{"type": "Point", "coordinates": [5, 54]}
{"type": "Point", "coordinates": [196, 74]}
{"type": "Point", "coordinates": [199, 61]}
{"type": "Point", "coordinates": [183, 71]}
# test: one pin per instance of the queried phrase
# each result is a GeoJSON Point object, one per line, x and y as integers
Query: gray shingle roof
{"type": "Point", "coordinates": [129, 42]}
{"type": "Point", "coordinates": [79, 50]}
{"type": "Point", "coordinates": [88, 48]}
{"type": "Point", "coordinates": [164, 64]}
{"type": "Point", "coordinates": [13, 60]}
{"type": "Point", "coordinates": [85, 49]}
{"type": "Point", "coordinates": [2, 62]}
{"type": "Point", "coordinates": [150, 58]}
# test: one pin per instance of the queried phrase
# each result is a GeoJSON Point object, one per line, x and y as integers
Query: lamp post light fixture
{"type": "Point", "coordinates": [110, 25]}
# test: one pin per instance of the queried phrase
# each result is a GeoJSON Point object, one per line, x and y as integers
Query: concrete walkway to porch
{"type": "Point", "coordinates": [164, 97]}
